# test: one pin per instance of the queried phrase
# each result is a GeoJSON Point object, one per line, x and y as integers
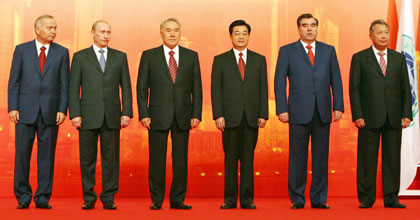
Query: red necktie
{"type": "Point", "coordinates": [241, 65]}
{"type": "Point", "coordinates": [382, 62]}
{"type": "Point", "coordinates": [42, 59]}
{"type": "Point", "coordinates": [173, 68]}
{"type": "Point", "coordinates": [311, 55]}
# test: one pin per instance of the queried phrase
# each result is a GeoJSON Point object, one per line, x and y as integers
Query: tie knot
{"type": "Point", "coordinates": [101, 51]}
{"type": "Point", "coordinates": [309, 47]}
{"type": "Point", "coordinates": [381, 54]}
{"type": "Point", "coordinates": [241, 54]}
{"type": "Point", "coordinates": [171, 53]}
{"type": "Point", "coordinates": [43, 48]}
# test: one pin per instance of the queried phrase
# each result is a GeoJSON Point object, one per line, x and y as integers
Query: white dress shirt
{"type": "Point", "coordinates": [244, 53]}
{"type": "Point", "coordinates": [376, 51]}
{"type": "Point", "coordinates": [39, 45]}
{"type": "Point", "coordinates": [166, 51]}
{"type": "Point", "coordinates": [98, 54]}
{"type": "Point", "coordinates": [306, 49]}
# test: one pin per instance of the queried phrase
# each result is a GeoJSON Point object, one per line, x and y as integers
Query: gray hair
{"type": "Point", "coordinates": [167, 20]}
{"type": "Point", "coordinates": [40, 18]}
{"type": "Point", "coordinates": [377, 21]}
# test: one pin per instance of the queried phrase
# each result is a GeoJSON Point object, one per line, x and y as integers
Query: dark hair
{"type": "Point", "coordinates": [239, 23]}
{"type": "Point", "coordinates": [302, 16]}
{"type": "Point", "coordinates": [377, 21]}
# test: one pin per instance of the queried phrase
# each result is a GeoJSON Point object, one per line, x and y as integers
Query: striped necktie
{"type": "Point", "coordinates": [382, 62]}
{"type": "Point", "coordinates": [173, 68]}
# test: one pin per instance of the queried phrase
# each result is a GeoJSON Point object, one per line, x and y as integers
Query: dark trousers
{"type": "Point", "coordinates": [158, 140]}
{"type": "Point", "coordinates": [367, 160]}
{"type": "Point", "coordinates": [299, 135]}
{"type": "Point", "coordinates": [239, 145]}
{"type": "Point", "coordinates": [47, 140]}
{"type": "Point", "coordinates": [110, 157]}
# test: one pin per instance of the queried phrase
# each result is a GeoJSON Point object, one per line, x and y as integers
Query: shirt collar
{"type": "Point", "coordinates": [97, 49]}
{"type": "Point", "coordinates": [167, 49]}
{"type": "Point", "coordinates": [244, 52]}
{"type": "Point", "coordinates": [39, 45]}
{"type": "Point", "coordinates": [305, 44]}
{"type": "Point", "coordinates": [376, 51]}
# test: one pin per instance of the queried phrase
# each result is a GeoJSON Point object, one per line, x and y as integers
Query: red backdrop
{"type": "Point", "coordinates": [135, 27]}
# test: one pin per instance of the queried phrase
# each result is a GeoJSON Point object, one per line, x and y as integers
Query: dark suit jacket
{"type": "Point", "coordinates": [29, 92]}
{"type": "Point", "coordinates": [159, 98]}
{"type": "Point", "coordinates": [232, 96]}
{"type": "Point", "coordinates": [308, 83]}
{"type": "Point", "coordinates": [374, 96]}
{"type": "Point", "coordinates": [100, 95]}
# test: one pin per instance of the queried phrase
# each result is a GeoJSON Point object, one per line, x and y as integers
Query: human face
{"type": "Point", "coordinates": [171, 33]}
{"type": "Point", "coordinates": [240, 37]}
{"type": "Point", "coordinates": [308, 30]}
{"type": "Point", "coordinates": [380, 36]}
{"type": "Point", "coordinates": [46, 30]}
{"type": "Point", "coordinates": [101, 35]}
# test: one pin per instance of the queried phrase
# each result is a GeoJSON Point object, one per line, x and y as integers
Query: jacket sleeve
{"type": "Point", "coordinates": [14, 81]}
{"type": "Point", "coordinates": [143, 85]}
{"type": "Point", "coordinates": [74, 86]}
{"type": "Point", "coordinates": [280, 81]}
{"type": "Point", "coordinates": [406, 92]}
{"type": "Point", "coordinates": [197, 93]}
{"type": "Point", "coordinates": [336, 83]}
{"type": "Point", "coordinates": [354, 89]}
{"type": "Point", "coordinates": [216, 90]}
{"type": "Point", "coordinates": [263, 112]}
{"type": "Point", "coordinates": [64, 82]}
{"type": "Point", "coordinates": [127, 108]}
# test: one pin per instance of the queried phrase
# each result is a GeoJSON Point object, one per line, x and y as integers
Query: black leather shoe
{"type": "Point", "coordinates": [228, 206]}
{"type": "Point", "coordinates": [22, 205]}
{"type": "Point", "coordinates": [43, 206]}
{"type": "Point", "coordinates": [248, 206]}
{"type": "Point", "coordinates": [155, 206]}
{"type": "Point", "coordinates": [88, 205]}
{"type": "Point", "coordinates": [364, 205]}
{"type": "Point", "coordinates": [179, 205]}
{"type": "Point", "coordinates": [110, 205]}
{"type": "Point", "coordinates": [397, 205]}
{"type": "Point", "coordinates": [297, 205]}
{"type": "Point", "coordinates": [320, 205]}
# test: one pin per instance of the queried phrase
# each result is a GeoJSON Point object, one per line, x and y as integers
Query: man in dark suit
{"type": "Point", "coordinates": [381, 105]}
{"type": "Point", "coordinates": [169, 97]}
{"type": "Point", "coordinates": [313, 72]}
{"type": "Point", "coordinates": [37, 99]}
{"type": "Point", "coordinates": [100, 71]}
{"type": "Point", "coordinates": [240, 106]}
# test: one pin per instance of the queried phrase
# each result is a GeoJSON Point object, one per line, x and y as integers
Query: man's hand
{"type": "Point", "coordinates": [261, 122]}
{"type": "Point", "coordinates": [14, 116]}
{"type": "Point", "coordinates": [360, 123]}
{"type": "Point", "coordinates": [60, 118]}
{"type": "Point", "coordinates": [284, 117]}
{"type": "Point", "coordinates": [220, 123]}
{"type": "Point", "coordinates": [125, 121]}
{"type": "Point", "coordinates": [338, 115]}
{"type": "Point", "coordinates": [194, 122]}
{"type": "Point", "coordinates": [146, 122]}
{"type": "Point", "coordinates": [76, 122]}
{"type": "Point", "coordinates": [405, 122]}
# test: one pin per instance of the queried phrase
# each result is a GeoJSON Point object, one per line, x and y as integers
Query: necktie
{"type": "Point", "coordinates": [382, 62]}
{"type": "Point", "coordinates": [241, 65]}
{"type": "Point", "coordinates": [102, 60]}
{"type": "Point", "coordinates": [311, 55]}
{"type": "Point", "coordinates": [173, 68]}
{"type": "Point", "coordinates": [42, 58]}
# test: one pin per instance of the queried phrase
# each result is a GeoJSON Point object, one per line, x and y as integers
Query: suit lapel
{"type": "Point", "coordinates": [94, 59]}
{"type": "Point", "coordinates": [319, 51]}
{"type": "Point", "coordinates": [33, 54]}
{"type": "Point", "coordinates": [181, 63]}
{"type": "Point", "coordinates": [302, 53]}
{"type": "Point", "coordinates": [234, 64]}
{"type": "Point", "coordinates": [163, 64]}
{"type": "Point", "coordinates": [248, 64]}
{"type": "Point", "coordinates": [389, 63]}
{"type": "Point", "coordinates": [373, 61]}
{"type": "Point", "coordinates": [50, 58]}
{"type": "Point", "coordinates": [109, 59]}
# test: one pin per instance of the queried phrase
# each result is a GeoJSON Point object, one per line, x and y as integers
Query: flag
{"type": "Point", "coordinates": [410, 146]}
